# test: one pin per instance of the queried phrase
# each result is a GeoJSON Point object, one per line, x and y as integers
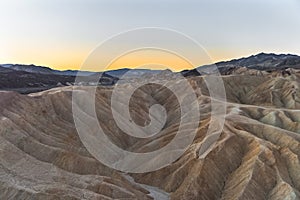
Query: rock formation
{"type": "Point", "coordinates": [256, 156]}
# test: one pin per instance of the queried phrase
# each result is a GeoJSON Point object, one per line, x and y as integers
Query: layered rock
{"type": "Point", "coordinates": [256, 156]}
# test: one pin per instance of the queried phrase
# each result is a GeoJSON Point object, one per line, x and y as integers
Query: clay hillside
{"type": "Point", "coordinates": [256, 156]}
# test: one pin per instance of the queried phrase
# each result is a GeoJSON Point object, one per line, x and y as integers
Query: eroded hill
{"type": "Point", "coordinates": [256, 157]}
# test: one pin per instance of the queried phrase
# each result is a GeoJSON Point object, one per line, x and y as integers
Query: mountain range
{"type": "Point", "coordinates": [32, 78]}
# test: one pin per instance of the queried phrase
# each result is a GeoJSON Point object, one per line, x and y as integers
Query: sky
{"type": "Point", "coordinates": [62, 33]}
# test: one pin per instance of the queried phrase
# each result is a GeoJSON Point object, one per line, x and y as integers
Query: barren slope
{"type": "Point", "coordinates": [256, 157]}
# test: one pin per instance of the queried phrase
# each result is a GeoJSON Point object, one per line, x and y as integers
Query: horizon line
{"type": "Point", "coordinates": [129, 67]}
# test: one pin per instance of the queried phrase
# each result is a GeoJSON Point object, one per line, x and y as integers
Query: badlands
{"type": "Point", "coordinates": [255, 157]}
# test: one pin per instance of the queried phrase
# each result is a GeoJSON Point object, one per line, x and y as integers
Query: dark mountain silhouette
{"type": "Point", "coordinates": [32, 78]}
{"type": "Point", "coordinates": [268, 62]}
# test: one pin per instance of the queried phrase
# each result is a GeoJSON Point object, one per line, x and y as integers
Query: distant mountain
{"type": "Point", "coordinates": [4, 70]}
{"type": "Point", "coordinates": [26, 82]}
{"type": "Point", "coordinates": [31, 78]}
{"type": "Point", "coordinates": [262, 62]}
{"type": "Point", "coordinates": [132, 72]}
{"type": "Point", "coordinates": [44, 70]}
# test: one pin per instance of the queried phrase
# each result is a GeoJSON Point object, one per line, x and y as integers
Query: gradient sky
{"type": "Point", "coordinates": [61, 34]}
